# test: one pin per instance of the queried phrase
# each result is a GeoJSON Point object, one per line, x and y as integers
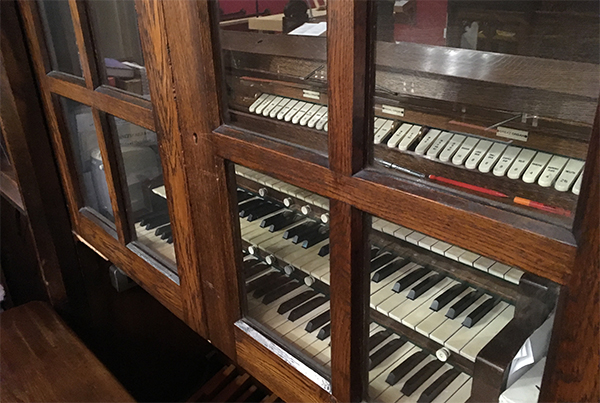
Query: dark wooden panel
{"type": "Point", "coordinates": [349, 301]}
{"type": "Point", "coordinates": [42, 360]}
{"type": "Point", "coordinates": [277, 369]}
{"type": "Point", "coordinates": [156, 54]}
{"type": "Point", "coordinates": [572, 368]}
{"type": "Point", "coordinates": [541, 248]}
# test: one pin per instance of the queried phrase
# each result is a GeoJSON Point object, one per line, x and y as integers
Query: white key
{"type": "Point", "coordinates": [427, 242]}
{"type": "Point", "coordinates": [415, 237]}
{"type": "Point", "coordinates": [326, 127]}
{"type": "Point", "coordinates": [383, 131]}
{"type": "Point", "coordinates": [454, 252]}
{"type": "Point", "coordinates": [400, 313]}
{"type": "Point", "coordinates": [410, 137]}
{"type": "Point", "coordinates": [568, 175]}
{"type": "Point", "coordinates": [259, 109]}
{"type": "Point", "coordinates": [258, 101]}
{"type": "Point", "coordinates": [399, 135]}
{"type": "Point", "coordinates": [377, 223]}
{"type": "Point", "coordinates": [439, 145]}
{"type": "Point", "coordinates": [468, 258]}
{"type": "Point", "coordinates": [389, 228]}
{"type": "Point", "coordinates": [483, 263]}
{"type": "Point", "coordinates": [466, 334]}
{"type": "Point", "coordinates": [397, 300]}
{"type": "Point", "coordinates": [553, 169]}
{"type": "Point", "coordinates": [473, 348]}
{"type": "Point", "coordinates": [521, 162]}
{"type": "Point", "coordinates": [513, 275]}
{"type": "Point", "coordinates": [424, 311]}
{"type": "Point", "coordinates": [440, 247]}
{"type": "Point", "coordinates": [274, 103]}
{"type": "Point", "coordinates": [435, 319]}
{"type": "Point", "coordinates": [322, 122]}
{"type": "Point", "coordinates": [536, 167]}
{"type": "Point", "coordinates": [463, 394]}
{"type": "Point", "coordinates": [286, 108]}
{"type": "Point", "coordinates": [451, 389]}
{"type": "Point", "coordinates": [478, 153]}
{"type": "Point", "coordinates": [506, 160]}
{"type": "Point", "coordinates": [317, 116]}
{"type": "Point", "coordinates": [402, 233]}
{"type": "Point", "coordinates": [292, 112]}
{"type": "Point", "coordinates": [308, 115]}
{"type": "Point", "coordinates": [577, 186]}
{"type": "Point", "coordinates": [453, 145]}
{"type": "Point", "coordinates": [301, 112]}
{"type": "Point", "coordinates": [275, 111]}
{"type": "Point", "coordinates": [491, 157]}
{"type": "Point", "coordinates": [499, 269]}
{"type": "Point", "coordinates": [427, 141]}
{"type": "Point", "coordinates": [450, 326]}
{"type": "Point", "coordinates": [464, 150]}
{"type": "Point", "coordinates": [377, 123]}
{"type": "Point", "coordinates": [386, 291]}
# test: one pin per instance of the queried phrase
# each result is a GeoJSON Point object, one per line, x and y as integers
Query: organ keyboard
{"type": "Point", "coordinates": [420, 294]}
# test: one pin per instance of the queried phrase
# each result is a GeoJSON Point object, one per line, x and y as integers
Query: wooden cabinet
{"type": "Point", "coordinates": [199, 130]}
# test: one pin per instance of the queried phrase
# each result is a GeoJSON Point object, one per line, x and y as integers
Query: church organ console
{"type": "Point", "coordinates": [347, 217]}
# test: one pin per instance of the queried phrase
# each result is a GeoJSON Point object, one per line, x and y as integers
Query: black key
{"type": "Point", "coordinates": [267, 222]}
{"type": "Point", "coordinates": [286, 221]}
{"type": "Point", "coordinates": [170, 239]}
{"type": "Point", "coordinates": [248, 205]}
{"type": "Point", "coordinates": [321, 235]}
{"type": "Point", "coordinates": [147, 217]}
{"type": "Point", "coordinates": [265, 210]}
{"type": "Point", "coordinates": [295, 301]}
{"type": "Point", "coordinates": [166, 234]}
{"type": "Point", "coordinates": [410, 279]}
{"type": "Point", "coordinates": [388, 270]}
{"type": "Point", "coordinates": [242, 196]}
{"type": "Point", "coordinates": [480, 312]}
{"type": "Point", "coordinates": [318, 321]}
{"type": "Point", "coordinates": [444, 299]}
{"type": "Point", "coordinates": [422, 375]}
{"type": "Point", "coordinates": [374, 251]}
{"type": "Point", "coordinates": [324, 251]}
{"type": "Point", "coordinates": [257, 268]}
{"type": "Point", "coordinates": [306, 308]}
{"type": "Point", "coordinates": [405, 367]}
{"type": "Point", "coordinates": [438, 386]}
{"type": "Point", "coordinates": [161, 230]}
{"type": "Point", "coordinates": [246, 211]}
{"type": "Point", "coordinates": [275, 284]}
{"type": "Point", "coordinates": [381, 260]}
{"type": "Point", "coordinates": [309, 229]}
{"type": "Point", "coordinates": [259, 282]}
{"type": "Point", "coordinates": [463, 304]}
{"type": "Point", "coordinates": [325, 332]}
{"type": "Point", "coordinates": [281, 291]}
{"type": "Point", "coordinates": [378, 338]}
{"type": "Point", "coordinates": [157, 221]}
{"type": "Point", "coordinates": [384, 352]}
{"type": "Point", "coordinates": [298, 229]}
{"type": "Point", "coordinates": [424, 286]}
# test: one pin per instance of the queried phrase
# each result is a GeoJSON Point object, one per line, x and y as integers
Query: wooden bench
{"type": "Point", "coordinates": [41, 360]}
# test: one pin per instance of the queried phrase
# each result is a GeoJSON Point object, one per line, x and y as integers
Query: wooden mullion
{"type": "Point", "coordinates": [155, 45]}
{"type": "Point", "coordinates": [108, 144]}
{"type": "Point", "coordinates": [85, 46]}
{"type": "Point", "coordinates": [350, 79]}
{"type": "Point", "coordinates": [349, 302]}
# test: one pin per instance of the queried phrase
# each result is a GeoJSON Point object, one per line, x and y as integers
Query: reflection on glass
{"type": "Point", "coordinates": [285, 239]}
{"type": "Point", "coordinates": [60, 36]}
{"type": "Point", "coordinates": [86, 153]}
{"type": "Point", "coordinates": [434, 307]}
{"type": "Point", "coordinates": [146, 190]}
{"type": "Point", "coordinates": [491, 99]}
{"type": "Point", "coordinates": [118, 44]}
{"type": "Point", "coordinates": [275, 64]}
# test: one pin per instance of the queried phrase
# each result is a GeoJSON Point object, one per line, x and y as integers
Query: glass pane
{"type": "Point", "coordinates": [146, 190]}
{"type": "Point", "coordinates": [117, 41]}
{"type": "Point", "coordinates": [275, 68]}
{"type": "Point", "coordinates": [87, 156]}
{"type": "Point", "coordinates": [434, 307]}
{"type": "Point", "coordinates": [285, 239]}
{"type": "Point", "coordinates": [60, 36]}
{"type": "Point", "coordinates": [491, 100]}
